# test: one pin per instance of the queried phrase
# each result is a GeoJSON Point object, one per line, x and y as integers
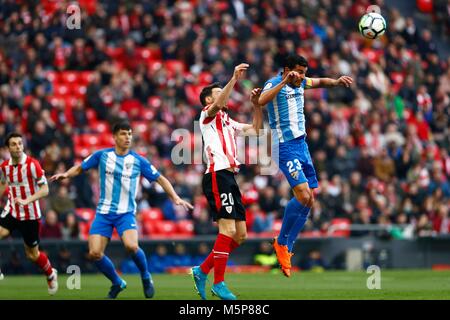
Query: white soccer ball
{"type": "Point", "coordinates": [372, 25]}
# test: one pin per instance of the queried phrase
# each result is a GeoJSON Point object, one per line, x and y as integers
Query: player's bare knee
{"type": "Point", "coordinates": [132, 248]}
{"type": "Point", "coordinates": [304, 197]}
{"type": "Point", "coordinates": [241, 237]}
{"type": "Point", "coordinates": [95, 255]}
{"type": "Point", "coordinates": [31, 255]}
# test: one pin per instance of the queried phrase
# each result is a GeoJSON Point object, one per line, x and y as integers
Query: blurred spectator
{"type": "Point", "coordinates": [203, 251]}
{"type": "Point", "coordinates": [313, 262]}
{"type": "Point", "coordinates": [265, 256]}
{"type": "Point", "coordinates": [160, 260]}
{"type": "Point", "coordinates": [51, 228]}
{"type": "Point", "coordinates": [63, 260]}
{"type": "Point", "coordinates": [70, 229]}
{"type": "Point", "coordinates": [203, 224]}
{"type": "Point", "coordinates": [61, 203]}
{"type": "Point", "coordinates": [180, 257]}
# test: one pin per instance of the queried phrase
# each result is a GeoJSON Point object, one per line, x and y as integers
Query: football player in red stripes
{"type": "Point", "coordinates": [27, 184]}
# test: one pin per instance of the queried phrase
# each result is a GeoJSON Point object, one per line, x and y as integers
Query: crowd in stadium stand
{"type": "Point", "coordinates": [381, 147]}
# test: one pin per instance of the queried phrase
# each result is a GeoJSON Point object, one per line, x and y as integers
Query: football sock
{"type": "Point", "coordinates": [297, 227]}
{"type": "Point", "coordinates": [106, 266]}
{"type": "Point", "coordinates": [222, 249]}
{"type": "Point", "coordinates": [208, 264]}
{"type": "Point", "coordinates": [44, 264]}
{"type": "Point", "coordinates": [291, 213]}
{"type": "Point", "coordinates": [141, 262]}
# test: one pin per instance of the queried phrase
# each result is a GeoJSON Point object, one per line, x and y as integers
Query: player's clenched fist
{"type": "Point", "coordinates": [254, 97]}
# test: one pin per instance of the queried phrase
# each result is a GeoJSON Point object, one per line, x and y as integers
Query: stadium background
{"type": "Point", "coordinates": [380, 147]}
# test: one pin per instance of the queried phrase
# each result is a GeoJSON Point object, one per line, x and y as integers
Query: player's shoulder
{"type": "Point", "coordinates": [137, 156]}
{"type": "Point", "coordinates": [4, 163]}
{"type": "Point", "coordinates": [102, 151]}
{"type": "Point", "coordinates": [273, 81]}
{"type": "Point", "coordinates": [31, 160]}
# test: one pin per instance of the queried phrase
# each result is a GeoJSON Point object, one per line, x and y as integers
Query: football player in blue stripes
{"type": "Point", "coordinates": [120, 170]}
{"type": "Point", "coordinates": [284, 96]}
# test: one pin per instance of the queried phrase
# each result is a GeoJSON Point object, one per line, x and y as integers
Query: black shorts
{"type": "Point", "coordinates": [28, 228]}
{"type": "Point", "coordinates": [224, 196]}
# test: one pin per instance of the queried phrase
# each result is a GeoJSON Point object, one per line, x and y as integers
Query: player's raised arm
{"type": "Point", "coordinates": [168, 188]}
{"type": "Point", "coordinates": [312, 83]}
{"type": "Point", "coordinates": [254, 128]}
{"type": "Point", "coordinates": [222, 99]}
{"type": "Point", "coordinates": [269, 93]}
{"type": "Point", "coordinates": [72, 172]}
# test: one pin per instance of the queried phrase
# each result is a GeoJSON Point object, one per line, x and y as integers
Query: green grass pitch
{"type": "Point", "coordinates": [395, 284]}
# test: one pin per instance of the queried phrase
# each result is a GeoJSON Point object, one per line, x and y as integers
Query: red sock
{"type": "Point", "coordinates": [221, 252]}
{"type": "Point", "coordinates": [44, 264]}
{"type": "Point", "coordinates": [208, 264]}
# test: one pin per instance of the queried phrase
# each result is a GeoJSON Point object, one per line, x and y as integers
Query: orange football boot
{"type": "Point", "coordinates": [283, 257]}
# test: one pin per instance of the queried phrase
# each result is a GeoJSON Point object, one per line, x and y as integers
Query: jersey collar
{"type": "Point", "coordinates": [22, 160]}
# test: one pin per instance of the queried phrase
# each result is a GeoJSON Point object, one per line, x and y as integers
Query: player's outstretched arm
{"type": "Point", "coordinates": [344, 81]}
{"type": "Point", "coordinates": [254, 128]}
{"type": "Point", "coordinates": [42, 192]}
{"type": "Point", "coordinates": [72, 172]}
{"type": "Point", "coordinates": [168, 188]}
{"type": "Point", "coordinates": [222, 99]}
{"type": "Point", "coordinates": [270, 94]}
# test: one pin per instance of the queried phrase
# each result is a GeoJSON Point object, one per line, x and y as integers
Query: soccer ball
{"type": "Point", "coordinates": [372, 25]}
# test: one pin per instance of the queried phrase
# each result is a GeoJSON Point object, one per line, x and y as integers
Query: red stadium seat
{"type": "Point", "coordinates": [149, 227]}
{"type": "Point", "coordinates": [91, 115]}
{"type": "Point", "coordinates": [339, 227]}
{"type": "Point", "coordinates": [100, 127]}
{"type": "Point", "coordinates": [152, 214]}
{"type": "Point", "coordinates": [277, 225]}
{"type": "Point", "coordinates": [185, 227]}
{"type": "Point", "coordinates": [90, 139]}
{"type": "Point", "coordinates": [154, 102]}
{"type": "Point", "coordinates": [78, 90]}
{"type": "Point", "coordinates": [81, 151]}
{"type": "Point", "coordinates": [173, 67]}
{"type": "Point", "coordinates": [53, 76]}
{"type": "Point", "coordinates": [69, 77]}
{"type": "Point", "coordinates": [87, 214]}
{"type": "Point", "coordinates": [86, 77]}
{"type": "Point", "coordinates": [84, 230]}
{"type": "Point", "coordinates": [60, 90]}
{"type": "Point", "coordinates": [140, 127]}
{"type": "Point", "coordinates": [205, 78]}
{"type": "Point", "coordinates": [167, 228]}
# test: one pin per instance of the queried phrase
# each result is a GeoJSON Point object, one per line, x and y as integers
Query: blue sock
{"type": "Point", "coordinates": [297, 227]}
{"type": "Point", "coordinates": [141, 262]}
{"type": "Point", "coordinates": [106, 266]}
{"type": "Point", "coordinates": [291, 213]}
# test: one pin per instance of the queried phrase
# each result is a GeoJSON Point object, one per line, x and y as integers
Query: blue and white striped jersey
{"type": "Point", "coordinates": [286, 117]}
{"type": "Point", "coordinates": [119, 177]}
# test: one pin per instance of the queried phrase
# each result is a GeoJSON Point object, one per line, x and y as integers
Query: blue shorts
{"type": "Point", "coordinates": [104, 224]}
{"type": "Point", "coordinates": [296, 163]}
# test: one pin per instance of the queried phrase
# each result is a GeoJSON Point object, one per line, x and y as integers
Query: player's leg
{"type": "Point", "coordinates": [128, 232]}
{"type": "Point", "coordinates": [304, 194]}
{"type": "Point", "coordinates": [5, 228]}
{"type": "Point", "coordinates": [99, 235]}
{"type": "Point", "coordinates": [30, 234]}
{"type": "Point", "coordinates": [4, 233]}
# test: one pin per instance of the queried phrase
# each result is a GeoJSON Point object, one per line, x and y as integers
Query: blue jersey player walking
{"type": "Point", "coordinates": [284, 96]}
{"type": "Point", "coordinates": [120, 170]}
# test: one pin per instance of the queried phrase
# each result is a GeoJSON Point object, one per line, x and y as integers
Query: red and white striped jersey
{"type": "Point", "coordinates": [23, 180]}
{"type": "Point", "coordinates": [219, 140]}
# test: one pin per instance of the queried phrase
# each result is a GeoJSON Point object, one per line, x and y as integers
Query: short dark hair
{"type": "Point", "coordinates": [11, 135]}
{"type": "Point", "coordinates": [294, 59]}
{"type": "Point", "coordinates": [207, 91]}
{"type": "Point", "coordinates": [121, 125]}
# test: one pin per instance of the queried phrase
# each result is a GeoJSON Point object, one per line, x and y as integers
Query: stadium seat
{"type": "Point", "coordinates": [140, 127]}
{"type": "Point", "coordinates": [152, 214]}
{"type": "Point", "coordinates": [81, 151]}
{"type": "Point", "coordinates": [69, 77]}
{"type": "Point", "coordinates": [100, 127]}
{"type": "Point", "coordinates": [154, 102]}
{"type": "Point", "coordinates": [90, 139]}
{"type": "Point", "coordinates": [91, 115]}
{"type": "Point", "coordinates": [52, 76]}
{"type": "Point", "coordinates": [149, 227]}
{"type": "Point", "coordinates": [78, 90]}
{"type": "Point", "coordinates": [185, 227]}
{"type": "Point", "coordinates": [173, 67]}
{"type": "Point", "coordinates": [277, 225]}
{"type": "Point", "coordinates": [168, 228]}
{"type": "Point", "coordinates": [107, 140]}
{"type": "Point", "coordinates": [86, 77]}
{"type": "Point", "coordinates": [86, 214]}
{"type": "Point", "coordinates": [339, 227]}
{"type": "Point", "coordinates": [60, 90]}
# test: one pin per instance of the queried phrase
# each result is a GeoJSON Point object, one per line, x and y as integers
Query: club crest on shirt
{"type": "Point", "coordinates": [294, 174]}
{"type": "Point", "coordinates": [229, 208]}
{"type": "Point", "coordinates": [128, 165]}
